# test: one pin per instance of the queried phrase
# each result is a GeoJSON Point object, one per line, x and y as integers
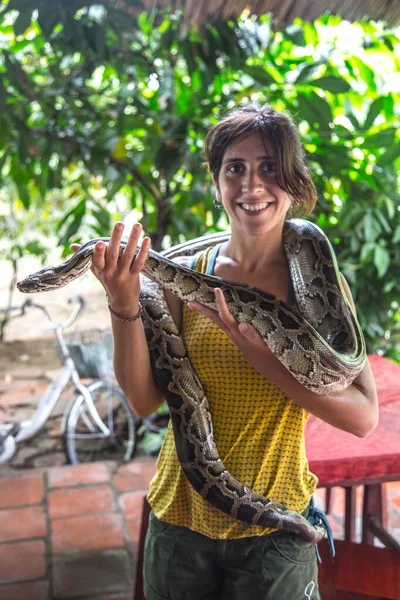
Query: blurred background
{"type": "Point", "coordinates": [104, 106]}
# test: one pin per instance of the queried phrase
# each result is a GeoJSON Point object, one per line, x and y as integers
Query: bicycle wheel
{"type": "Point", "coordinates": [84, 440]}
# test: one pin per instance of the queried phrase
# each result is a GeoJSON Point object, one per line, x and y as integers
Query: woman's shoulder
{"type": "Point", "coordinates": [185, 261]}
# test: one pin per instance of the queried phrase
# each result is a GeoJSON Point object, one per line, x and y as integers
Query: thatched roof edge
{"type": "Point", "coordinates": [283, 11]}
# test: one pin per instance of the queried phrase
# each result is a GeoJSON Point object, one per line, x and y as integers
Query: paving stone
{"type": "Point", "coordinates": [48, 458]}
{"type": "Point", "coordinates": [131, 504]}
{"type": "Point", "coordinates": [135, 475]}
{"type": "Point", "coordinates": [83, 575]}
{"type": "Point", "coordinates": [23, 455]}
{"type": "Point", "coordinates": [22, 523]}
{"type": "Point", "coordinates": [31, 590]}
{"type": "Point", "coordinates": [23, 489]}
{"type": "Point", "coordinates": [22, 561]}
{"type": "Point", "coordinates": [18, 414]}
{"type": "Point", "coordinates": [89, 532]}
{"type": "Point", "coordinates": [26, 395]}
{"type": "Point", "coordinates": [76, 475]}
{"type": "Point", "coordinates": [68, 502]}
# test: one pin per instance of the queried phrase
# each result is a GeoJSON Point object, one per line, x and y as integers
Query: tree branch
{"type": "Point", "coordinates": [132, 170]}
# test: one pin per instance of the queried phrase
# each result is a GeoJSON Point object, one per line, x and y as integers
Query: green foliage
{"type": "Point", "coordinates": [110, 109]}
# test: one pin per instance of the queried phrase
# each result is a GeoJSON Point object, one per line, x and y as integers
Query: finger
{"type": "Point", "coordinates": [75, 247]}
{"type": "Point", "coordinates": [128, 254]}
{"type": "Point", "coordinates": [113, 248]}
{"type": "Point", "coordinates": [251, 334]}
{"type": "Point", "coordinates": [141, 257]}
{"type": "Point", "coordinates": [99, 256]}
{"type": "Point", "coordinates": [223, 310]}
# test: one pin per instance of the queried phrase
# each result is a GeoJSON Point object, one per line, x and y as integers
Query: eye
{"type": "Point", "coordinates": [235, 168]}
{"type": "Point", "coordinates": [269, 167]}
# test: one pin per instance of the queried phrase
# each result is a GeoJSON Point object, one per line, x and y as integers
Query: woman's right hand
{"type": "Point", "coordinates": [119, 274]}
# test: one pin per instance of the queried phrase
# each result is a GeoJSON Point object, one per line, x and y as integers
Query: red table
{"type": "Point", "coordinates": [341, 459]}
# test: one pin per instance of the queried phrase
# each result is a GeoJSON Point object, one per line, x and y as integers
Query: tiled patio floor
{"type": "Point", "coordinates": [71, 533]}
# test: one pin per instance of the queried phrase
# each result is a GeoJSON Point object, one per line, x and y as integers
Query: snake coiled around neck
{"type": "Point", "coordinates": [321, 345]}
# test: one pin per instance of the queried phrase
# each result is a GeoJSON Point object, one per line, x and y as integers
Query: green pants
{"type": "Point", "coordinates": [184, 565]}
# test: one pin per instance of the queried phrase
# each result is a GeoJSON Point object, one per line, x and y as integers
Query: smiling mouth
{"type": "Point", "coordinates": [255, 207]}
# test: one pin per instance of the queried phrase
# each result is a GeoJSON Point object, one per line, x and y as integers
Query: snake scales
{"type": "Point", "coordinates": [321, 345]}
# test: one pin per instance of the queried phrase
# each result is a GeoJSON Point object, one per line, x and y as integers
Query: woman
{"type": "Point", "coordinates": [259, 410]}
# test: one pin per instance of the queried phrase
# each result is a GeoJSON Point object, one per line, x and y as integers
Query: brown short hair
{"type": "Point", "coordinates": [277, 129]}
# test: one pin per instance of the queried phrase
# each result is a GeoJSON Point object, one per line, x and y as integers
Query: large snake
{"type": "Point", "coordinates": [320, 344]}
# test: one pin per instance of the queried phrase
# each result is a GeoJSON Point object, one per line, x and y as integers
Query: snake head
{"type": "Point", "coordinates": [42, 281]}
{"type": "Point", "coordinates": [29, 285]}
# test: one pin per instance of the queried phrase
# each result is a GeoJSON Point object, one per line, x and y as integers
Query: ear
{"type": "Point", "coordinates": [218, 193]}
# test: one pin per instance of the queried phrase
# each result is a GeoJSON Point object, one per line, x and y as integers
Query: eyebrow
{"type": "Point", "coordinates": [234, 159]}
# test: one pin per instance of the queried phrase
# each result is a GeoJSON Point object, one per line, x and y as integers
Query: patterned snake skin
{"type": "Point", "coordinates": [322, 346]}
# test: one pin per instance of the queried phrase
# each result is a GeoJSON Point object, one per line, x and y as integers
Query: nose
{"type": "Point", "coordinates": [253, 183]}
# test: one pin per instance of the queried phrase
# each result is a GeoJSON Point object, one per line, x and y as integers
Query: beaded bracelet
{"type": "Point", "coordinates": [122, 319]}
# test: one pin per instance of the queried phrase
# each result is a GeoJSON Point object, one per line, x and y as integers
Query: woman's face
{"type": "Point", "coordinates": [247, 188]}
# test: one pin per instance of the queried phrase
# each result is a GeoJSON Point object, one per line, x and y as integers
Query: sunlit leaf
{"type": "Point", "coordinates": [373, 112]}
{"type": "Point", "coordinates": [336, 85]}
{"type": "Point", "coordinates": [381, 260]}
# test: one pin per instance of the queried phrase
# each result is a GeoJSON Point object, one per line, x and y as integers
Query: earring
{"type": "Point", "coordinates": [217, 202]}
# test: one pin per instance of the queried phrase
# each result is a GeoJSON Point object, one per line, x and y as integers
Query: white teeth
{"type": "Point", "coordinates": [255, 207]}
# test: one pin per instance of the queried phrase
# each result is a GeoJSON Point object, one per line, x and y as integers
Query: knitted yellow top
{"type": "Point", "coordinates": [259, 433]}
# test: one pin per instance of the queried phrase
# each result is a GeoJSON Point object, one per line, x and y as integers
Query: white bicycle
{"type": "Point", "coordinates": [98, 423]}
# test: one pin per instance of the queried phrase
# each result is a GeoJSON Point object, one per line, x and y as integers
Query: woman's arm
{"type": "Point", "coordinates": [354, 409]}
{"type": "Point", "coordinates": [133, 369]}
{"type": "Point", "coordinates": [132, 361]}
{"type": "Point", "coordinates": [119, 275]}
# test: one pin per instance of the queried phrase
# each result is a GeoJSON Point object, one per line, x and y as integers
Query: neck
{"type": "Point", "coordinates": [256, 253]}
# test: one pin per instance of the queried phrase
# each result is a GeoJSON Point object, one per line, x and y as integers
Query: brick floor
{"type": "Point", "coordinates": [131, 504]}
{"type": "Point", "coordinates": [68, 533]}
{"type": "Point", "coordinates": [22, 561]}
{"type": "Point", "coordinates": [67, 502]}
{"type": "Point", "coordinates": [89, 532]}
{"type": "Point", "coordinates": [71, 533]}
{"type": "Point", "coordinates": [32, 590]}
{"type": "Point", "coordinates": [22, 523]}
{"type": "Point", "coordinates": [81, 474]}
{"type": "Point", "coordinates": [21, 491]}
{"type": "Point", "coordinates": [76, 535]}
{"type": "Point", "coordinates": [133, 476]}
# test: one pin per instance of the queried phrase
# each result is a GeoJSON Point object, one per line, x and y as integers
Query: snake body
{"type": "Point", "coordinates": [321, 344]}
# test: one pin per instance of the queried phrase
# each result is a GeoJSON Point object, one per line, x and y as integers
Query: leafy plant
{"type": "Point", "coordinates": [112, 104]}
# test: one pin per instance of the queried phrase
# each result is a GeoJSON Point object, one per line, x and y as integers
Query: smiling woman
{"type": "Point", "coordinates": [278, 142]}
{"type": "Point", "coordinates": [197, 550]}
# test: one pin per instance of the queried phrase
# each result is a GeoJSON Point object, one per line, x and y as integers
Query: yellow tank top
{"type": "Point", "coordinates": [259, 433]}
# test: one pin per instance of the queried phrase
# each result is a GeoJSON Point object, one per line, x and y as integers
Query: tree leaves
{"type": "Point", "coordinates": [381, 260]}
{"type": "Point", "coordinates": [22, 22]}
{"type": "Point", "coordinates": [314, 109]}
{"type": "Point", "coordinates": [104, 110]}
{"type": "Point", "coordinates": [336, 85]}
{"type": "Point", "coordinates": [259, 75]}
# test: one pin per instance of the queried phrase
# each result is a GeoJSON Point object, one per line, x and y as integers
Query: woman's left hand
{"type": "Point", "coordinates": [244, 335]}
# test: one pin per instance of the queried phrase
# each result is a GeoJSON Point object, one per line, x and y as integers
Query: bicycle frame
{"type": "Point", "coordinates": [11, 434]}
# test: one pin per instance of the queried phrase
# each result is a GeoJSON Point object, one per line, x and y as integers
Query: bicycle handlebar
{"type": "Point", "coordinates": [78, 300]}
